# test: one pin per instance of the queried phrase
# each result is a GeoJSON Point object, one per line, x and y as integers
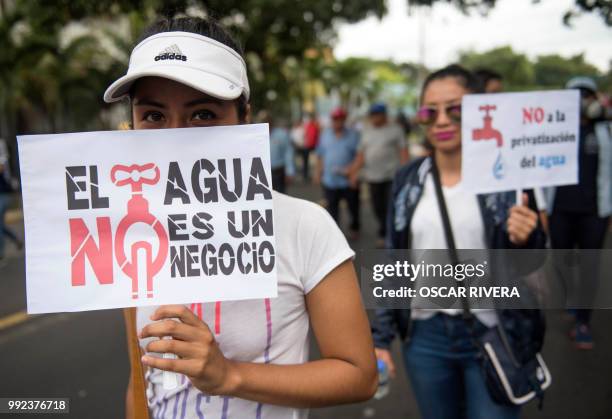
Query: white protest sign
{"type": "Point", "coordinates": [519, 140]}
{"type": "Point", "coordinates": [148, 217]}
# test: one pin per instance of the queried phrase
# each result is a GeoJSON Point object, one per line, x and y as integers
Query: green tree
{"type": "Point", "coordinates": [348, 78]}
{"type": "Point", "coordinates": [553, 71]}
{"type": "Point", "coordinates": [545, 72]}
{"type": "Point", "coordinates": [276, 34]}
{"type": "Point", "coordinates": [605, 83]}
{"type": "Point", "coordinates": [46, 76]}
{"type": "Point", "coordinates": [516, 69]}
{"type": "Point", "coordinates": [601, 7]}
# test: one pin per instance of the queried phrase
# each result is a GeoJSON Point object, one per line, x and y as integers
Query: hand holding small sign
{"type": "Point", "coordinates": [521, 222]}
{"type": "Point", "coordinates": [519, 140]}
{"type": "Point", "coordinates": [200, 358]}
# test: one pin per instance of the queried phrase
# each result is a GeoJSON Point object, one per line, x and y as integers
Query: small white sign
{"type": "Point", "coordinates": [520, 140]}
{"type": "Point", "coordinates": [148, 217]}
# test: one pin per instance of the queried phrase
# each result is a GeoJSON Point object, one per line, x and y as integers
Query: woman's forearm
{"type": "Point", "coordinates": [318, 383]}
{"type": "Point", "coordinates": [347, 371]}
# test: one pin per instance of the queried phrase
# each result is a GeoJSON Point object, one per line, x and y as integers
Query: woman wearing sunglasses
{"type": "Point", "coordinates": [440, 357]}
{"type": "Point", "coordinates": [244, 359]}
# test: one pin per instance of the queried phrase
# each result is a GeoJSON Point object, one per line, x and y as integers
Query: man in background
{"type": "Point", "coordinates": [381, 151]}
{"type": "Point", "coordinates": [336, 151]}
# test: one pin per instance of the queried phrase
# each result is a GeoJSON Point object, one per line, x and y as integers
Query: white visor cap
{"type": "Point", "coordinates": [188, 58]}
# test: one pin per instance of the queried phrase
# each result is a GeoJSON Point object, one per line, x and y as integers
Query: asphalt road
{"type": "Point", "coordinates": [83, 356]}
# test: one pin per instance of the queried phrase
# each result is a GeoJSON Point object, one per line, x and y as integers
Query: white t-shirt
{"type": "Point", "coordinates": [309, 245]}
{"type": "Point", "coordinates": [468, 230]}
{"type": "Point", "coordinates": [380, 146]}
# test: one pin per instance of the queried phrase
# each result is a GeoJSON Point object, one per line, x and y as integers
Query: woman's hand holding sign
{"type": "Point", "coordinates": [200, 358]}
{"type": "Point", "coordinates": [521, 222]}
{"type": "Point", "coordinates": [346, 372]}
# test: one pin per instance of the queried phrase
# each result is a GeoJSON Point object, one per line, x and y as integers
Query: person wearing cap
{"type": "Point", "coordinates": [336, 151]}
{"type": "Point", "coordinates": [381, 151]}
{"type": "Point", "coordinates": [580, 214]}
{"type": "Point", "coordinates": [188, 72]}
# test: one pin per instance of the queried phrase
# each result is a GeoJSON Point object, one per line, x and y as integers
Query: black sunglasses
{"type": "Point", "coordinates": [428, 115]}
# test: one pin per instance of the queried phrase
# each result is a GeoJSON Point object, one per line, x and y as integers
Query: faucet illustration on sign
{"type": "Point", "coordinates": [487, 132]}
{"type": "Point", "coordinates": [138, 212]}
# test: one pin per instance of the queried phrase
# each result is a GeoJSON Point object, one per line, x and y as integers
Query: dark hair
{"type": "Point", "coordinates": [485, 75]}
{"type": "Point", "coordinates": [206, 27]}
{"type": "Point", "coordinates": [464, 77]}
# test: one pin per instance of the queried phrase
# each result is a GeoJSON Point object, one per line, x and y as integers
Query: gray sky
{"type": "Point", "coordinates": [528, 28]}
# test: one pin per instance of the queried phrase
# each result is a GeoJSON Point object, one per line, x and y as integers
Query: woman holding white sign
{"type": "Point", "coordinates": [189, 72]}
{"type": "Point", "coordinates": [442, 361]}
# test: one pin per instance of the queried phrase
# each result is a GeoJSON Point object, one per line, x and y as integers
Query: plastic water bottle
{"type": "Point", "coordinates": [384, 383]}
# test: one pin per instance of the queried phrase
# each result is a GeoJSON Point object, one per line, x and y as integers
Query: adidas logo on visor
{"type": "Point", "coordinates": [171, 53]}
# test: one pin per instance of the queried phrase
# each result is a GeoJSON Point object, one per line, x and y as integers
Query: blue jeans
{"type": "Point", "coordinates": [442, 364]}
